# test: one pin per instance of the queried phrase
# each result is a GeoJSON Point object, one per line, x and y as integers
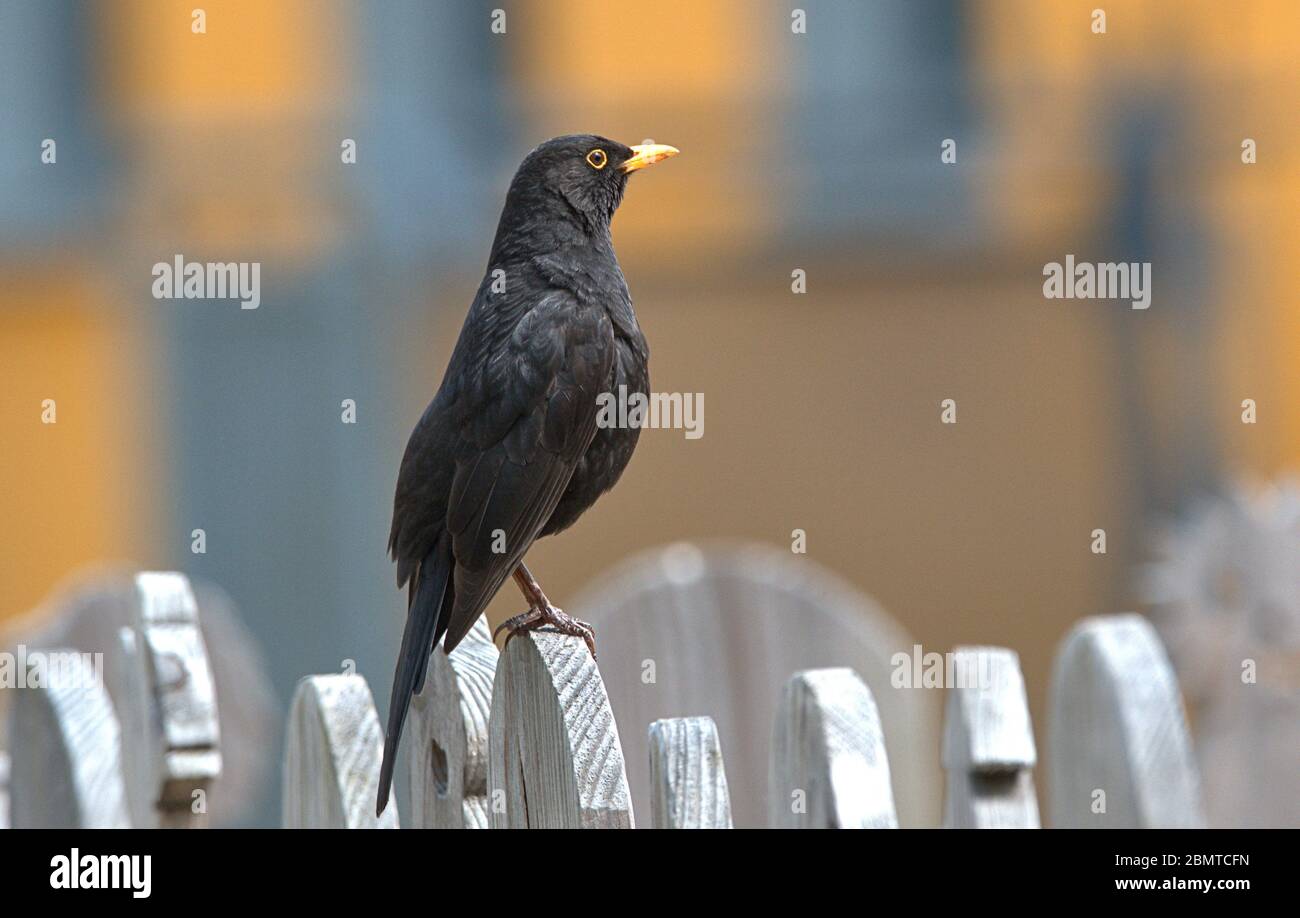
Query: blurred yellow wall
{"type": "Point", "coordinates": [211, 126]}
{"type": "Point", "coordinates": [792, 388]}
{"type": "Point", "coordinates": [1235, 67]}
{"type": "Point", "coordinates": [74, 490]}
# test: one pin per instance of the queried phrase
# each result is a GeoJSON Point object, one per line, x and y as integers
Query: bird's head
{"type": "Point", "coordinates": [584, 173]}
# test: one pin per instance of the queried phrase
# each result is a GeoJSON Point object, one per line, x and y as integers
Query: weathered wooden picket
{"type": "Point", "coordinates": [528, 738]}
{"type": "Point", "coordinates": [79, 760]}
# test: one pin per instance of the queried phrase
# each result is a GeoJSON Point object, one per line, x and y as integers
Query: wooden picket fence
{"type": "Point", "coordinates": [527, 738]}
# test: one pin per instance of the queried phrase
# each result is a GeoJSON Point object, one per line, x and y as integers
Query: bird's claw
{"type": "Point", "coordinates": [550, 619]}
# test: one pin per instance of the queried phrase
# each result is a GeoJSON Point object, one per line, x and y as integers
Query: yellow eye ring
{"type": "Point", "coordinates": [597, 159]}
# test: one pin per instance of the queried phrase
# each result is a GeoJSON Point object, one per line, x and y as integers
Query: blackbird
{"type": "Point", "coordinates": [509, 449]}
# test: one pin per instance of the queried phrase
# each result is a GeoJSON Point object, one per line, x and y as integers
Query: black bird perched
{"type": "Point", "coordinates": [509, 449]}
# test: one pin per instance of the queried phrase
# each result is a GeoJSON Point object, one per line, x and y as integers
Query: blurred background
{"type": "Point", "coordinates": [817, 151]}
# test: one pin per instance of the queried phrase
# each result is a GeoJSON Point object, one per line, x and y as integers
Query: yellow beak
{"type": "Point", "coordinates": [647, 154]}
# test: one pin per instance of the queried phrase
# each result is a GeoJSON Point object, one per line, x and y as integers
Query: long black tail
{"type": "Point", "coordinates": [425, 623]}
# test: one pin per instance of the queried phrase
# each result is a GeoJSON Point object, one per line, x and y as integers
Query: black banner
{"type": "Point", "coordinates": [205, 868]}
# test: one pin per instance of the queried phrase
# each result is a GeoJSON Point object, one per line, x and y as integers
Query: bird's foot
{"type": "Point", "coordinates": [548, 618]}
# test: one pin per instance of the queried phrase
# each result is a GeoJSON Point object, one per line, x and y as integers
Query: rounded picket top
{"type": "Point", "coordinates": [447, 736]}
{"type": "Point", "coordinates": [66, 764]}
{"type": "Point", "coordinates": [829, 769]}
{"type": "Point", "coordinates": [167, 706]}
{"type": "Point", "coordinates": [753, 615]}
{"type": "Point", "coordinates": [332, 753]}
{"type": "Point", "coordinates": [555, 756]}
{"type": "Point", "coordinates": [88, 612]}
{"type": "Point", "coordinates": [1120, 752]}
{"type": "Point", "coordinates": [988, 744]}
{"type": "Point", "coordinates": [688, 782]}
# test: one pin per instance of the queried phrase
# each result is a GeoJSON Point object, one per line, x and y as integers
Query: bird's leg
{"type": "Point", "coordinates": [542, 615]}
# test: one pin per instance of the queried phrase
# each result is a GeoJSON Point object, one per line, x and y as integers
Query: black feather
{"type": "Point", "coordinates": [425, 623]}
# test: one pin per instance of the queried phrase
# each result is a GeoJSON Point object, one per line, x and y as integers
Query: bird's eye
{"type": "Point", "coordinates": [597, 159]}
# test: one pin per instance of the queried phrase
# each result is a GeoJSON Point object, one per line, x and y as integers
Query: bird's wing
{"type": "Point", "coordinates": [528, 413]}
{"type": "Point", "coordinates": [491, 382]}
{"type": "Point", "coordinates": [491, 456]}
